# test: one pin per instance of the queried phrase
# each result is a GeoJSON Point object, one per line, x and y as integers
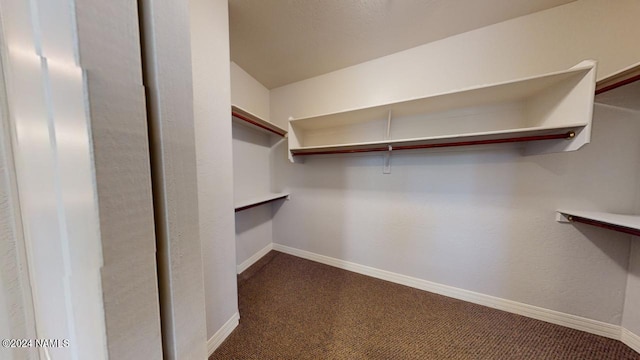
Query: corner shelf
{"type": "Point", "coordinates": [551, 107]}
{"type": "Point", "coordinates": [244, 117]}
{"type": "Point", "coordinates": [628, 224]}
{"type": "Point", "coordinates": [260, 200]}
{"type": "Point", "coordinates": [266, 130]}
{"type": "Point", "coordinates": [620, 90]}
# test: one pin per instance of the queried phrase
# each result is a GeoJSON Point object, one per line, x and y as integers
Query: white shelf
{"type": "Point", "coordinates": [620, 90]}
{"type": "Point", "coordinates": [259, 200]}
{"type": "Point", "coordinates": [553, 103]}
{"type": "Point", "coordinates": [629, 224]}
{"type": "Point", "coordinates": [244, 117]}
{"type": "Point", "coordinates": [251, 158]}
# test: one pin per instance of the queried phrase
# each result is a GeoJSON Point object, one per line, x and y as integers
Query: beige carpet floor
{"type": "Point", "coordinates": [291, 308]}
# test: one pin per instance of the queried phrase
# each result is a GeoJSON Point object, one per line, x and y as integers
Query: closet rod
{"type": "Point", "coordinates": [567, 135]}
{"type": "Point", "coordinates": [604, 225]}
{"type": "Point", "coordinates": [242, 117]}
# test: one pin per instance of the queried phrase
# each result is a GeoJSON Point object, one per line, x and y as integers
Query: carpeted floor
{"type": "Point", "coordinates": [291, 308]}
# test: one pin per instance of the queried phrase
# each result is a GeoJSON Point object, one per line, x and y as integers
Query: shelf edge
{"type": "Point", "coordinates": [567, 216]}
{"type": "Point", "coordinates": [262, 201]}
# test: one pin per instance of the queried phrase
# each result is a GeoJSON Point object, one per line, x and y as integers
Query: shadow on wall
{"type": "Point", "coordinates": [248, 134]}
{"type": "Point", "coordinates": [614, 245]}
{"type": "Point", "coordinates": [252, 218]}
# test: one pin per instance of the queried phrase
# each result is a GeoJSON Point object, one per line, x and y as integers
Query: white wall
{"type": "Point", "coordinates": [251, 166]}
{"type": "Point", "coordinates": [248, 93]}
{"type": "Point", "coordinates": [81, 155]}
{"type": "Point", "coordinates": [47, 89]}
{"type": "Point", "coordinates": [480, 220]}
{"type": "Point", "coordinates": [16, 305]}
{"type": "Point", "coordinates": [251, 173]}
{"type": "Point", "coordinates": [168, 80]}
{"type": "Point", "coordinates": [120, 149]}
{"type": "Point", "coordinates": [212, 115]}
{"type": "Point", "coordinates": [631, 320]}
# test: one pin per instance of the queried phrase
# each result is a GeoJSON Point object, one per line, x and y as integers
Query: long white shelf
{"type": "Point", "coordinates": [259, 200]}
{"type": "Point", "coordinates": [629, 224]}
{"type": "Point", "coordinates": [556, 103]}
{"type": "Point", "coordinates": [246, 118]}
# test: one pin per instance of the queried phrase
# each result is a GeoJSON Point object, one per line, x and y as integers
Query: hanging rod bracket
{"type": "Point", "coordinates": [563, 218]}
{"type": "Point", "coordinates": [387, 161]}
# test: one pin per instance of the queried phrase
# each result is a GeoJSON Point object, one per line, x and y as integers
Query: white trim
{"type": "Point", "coordinates": [551, 316]}
{"type": "Point", "coordinates": [255, 257]}
{"type": "Point", "coordinates": [222, 333]}
{"type": "Point", "coordinates": [630, 339]}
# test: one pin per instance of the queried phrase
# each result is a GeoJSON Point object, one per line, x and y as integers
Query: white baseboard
{"type": "Point", "coordinates": [222, 334]}
{"type": "Point", "coordinates": [255, 257]}
{"type": "Point", "coordinates": [631, 340]}
{"type": "Point", "coordinates": [551, 316]}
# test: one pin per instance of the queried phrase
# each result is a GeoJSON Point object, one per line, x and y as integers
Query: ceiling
{"type": "Point", "coordinates": [283, 41]}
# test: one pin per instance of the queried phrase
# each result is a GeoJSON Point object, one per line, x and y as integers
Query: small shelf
{"type": "Point", "coordinates": [247, 118]}
{"type": "Point", "coordinates": [259, 200]}
{"type": "Point", "coordinates": [629, 224]}
{"type": "Point", "coordinates": [552, 107]}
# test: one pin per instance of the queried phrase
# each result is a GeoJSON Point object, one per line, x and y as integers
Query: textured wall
{"type": "Point", "coordinates": [48, 93]}
{"type": "Point", "coordinates": [170, 102]}
{"type": "Point", "coordinates": [631, 319]}
{"type": "Point", "coordinates": [78, 115]}
{"type": "Point", "coordinates": [109, 50]}
{"type": "Point", "coordinates": [481, 220]}
{"type": "Point", "coordinates": [16, 307]}
{"type": "Point", "coordinates": [252, 178]}
{"type": "Point", "coordinates": [251, 165]}
{"type": "Point", "coordinates": [212, 115]}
